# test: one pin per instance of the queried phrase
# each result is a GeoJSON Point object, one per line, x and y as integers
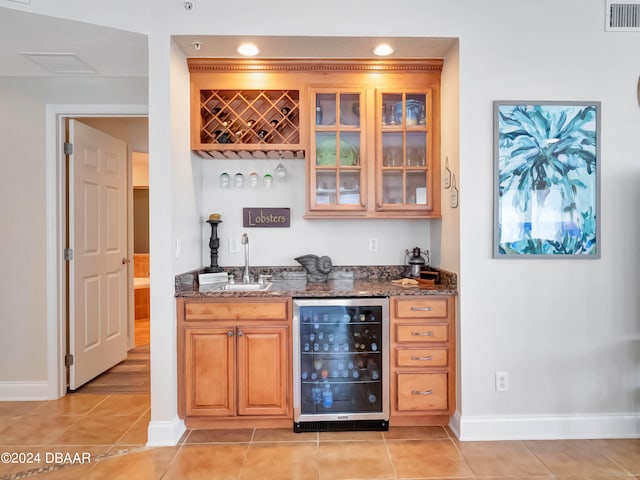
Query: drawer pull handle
{"type": "Point", "coordinates": [230, 333]}
{"type": "Point", "coordinates": [421, 309]}
{"type": "Point", "coordinates": [422, 334]}
{"type": "Point", "coordinates": [423, 359]}
{"type": "Point", "coordinates": [418, 392]}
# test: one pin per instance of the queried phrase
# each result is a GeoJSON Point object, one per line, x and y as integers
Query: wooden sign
{"type": "Point", "coordinates": [266, 217]}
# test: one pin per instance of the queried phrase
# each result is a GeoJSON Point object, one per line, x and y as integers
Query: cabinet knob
{"type": "Point", "coordinates": [418, 392]}
{"type": "Point", "coordinates": [230, 333]}
{"type": "Point", "coordinates": [240, 334]}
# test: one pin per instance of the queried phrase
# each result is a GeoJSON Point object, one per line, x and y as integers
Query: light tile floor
{"type": "Point", "coordinates": [111, 431]}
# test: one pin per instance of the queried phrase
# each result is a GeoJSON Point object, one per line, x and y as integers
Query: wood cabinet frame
{"type": "Point", "coordinates": [305, 75]}
{"type": "Point", "coordinates": [220, 343]}
{"type": "Point", "coordinates": [422, 327]}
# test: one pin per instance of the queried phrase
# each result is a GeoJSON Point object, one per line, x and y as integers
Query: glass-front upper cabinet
{"type": "Point", "coordinates": [404, 151]}
{"type": "Point", "coordinates": [336, 173]}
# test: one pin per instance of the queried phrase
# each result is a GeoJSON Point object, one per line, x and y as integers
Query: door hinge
{"type": "Point", "coordinates": [68, 148]}
{"type": "Point", "coordinates": [68, 254]}
{"type": "Point", "coordinates": [68, 360]}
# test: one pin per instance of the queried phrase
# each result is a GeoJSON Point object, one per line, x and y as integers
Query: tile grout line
{"type": "Point", "coordinates": [630, 474]}
{"type": "Point", "coordinates": [455, 445]}
{"type": "Point", "coordinates": [524, 444]}
{"type": "Point", "coordinates": [386, 447]}
{"type": "Point", "coordinates": [173, 457]}
{"type": "Point", "coordinates": [132, 425]}
{"type": "Point", "coordinates": [246, 455]}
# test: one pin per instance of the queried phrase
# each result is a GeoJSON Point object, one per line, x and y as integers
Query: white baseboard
{"type": "Point", "coordinates": [22, 391]}
{"type": "Point", "coordinates": [165, 434]}
{"type": "Point", "coordinates": [470, 428]}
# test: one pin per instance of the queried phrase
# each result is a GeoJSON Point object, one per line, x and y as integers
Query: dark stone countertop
{"type": "Point", "coordinates": [366, 281]}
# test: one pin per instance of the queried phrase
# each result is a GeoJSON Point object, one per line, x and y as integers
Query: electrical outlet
{"type": "Point", "coordinates": [502, 381]}
{"type": "Point", "coordinates": [373, 244]}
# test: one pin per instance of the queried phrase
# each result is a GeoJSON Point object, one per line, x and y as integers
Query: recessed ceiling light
{"type": "Point", "coordinates": [383, 50]}
{"type": "Point", "coordinates": [248, 49]}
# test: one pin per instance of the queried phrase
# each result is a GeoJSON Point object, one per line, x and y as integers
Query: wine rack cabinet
{"type": "Point", "coordinates": [237, 118]}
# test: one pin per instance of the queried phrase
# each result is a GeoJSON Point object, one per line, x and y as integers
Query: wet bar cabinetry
{"type": "Point", "coordinates": [422, 360]}
{"type": "Point", "coordinates": [369, 131]}
{"type": "Point", "coordinates": [234, 364]}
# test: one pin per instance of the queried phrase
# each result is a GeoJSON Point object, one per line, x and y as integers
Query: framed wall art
{"type": "Point", "coordinates": [547, 179]}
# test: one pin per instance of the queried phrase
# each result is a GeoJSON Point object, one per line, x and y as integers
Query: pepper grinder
{"type": "Point", "coordinates": [214, 243]}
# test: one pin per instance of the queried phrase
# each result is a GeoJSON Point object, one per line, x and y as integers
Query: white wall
{"type": "Point", "coordinates": [566, 331]}
{"type": "Point", "coordinates": [562, 329]}
{"type": "Point", "coordinates": [23, 342]}
{"type": "Point", "coordinates": [345, 241]}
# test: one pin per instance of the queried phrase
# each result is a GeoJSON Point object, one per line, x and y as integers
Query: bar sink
{"type": "Point", "coordinates": [242, 287]}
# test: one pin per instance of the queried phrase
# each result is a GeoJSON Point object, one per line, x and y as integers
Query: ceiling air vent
{"type": "Point", "coordinates": [623, 16]}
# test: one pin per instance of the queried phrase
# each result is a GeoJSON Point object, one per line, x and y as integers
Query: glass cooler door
{"type": "Point", "coordinates": [341, 359]}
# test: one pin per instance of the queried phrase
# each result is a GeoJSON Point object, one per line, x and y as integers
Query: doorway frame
{"type": "Point", "coordinates": [56, 217]}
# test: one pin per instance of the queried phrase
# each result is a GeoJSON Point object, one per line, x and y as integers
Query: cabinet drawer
{"type": "Point", "coordinates": [237, 310]}
{"type": "Point", "coordinates": [422, 391]}
{"type": "Point", "coordinates": [421, 308]}
{"type": "Point", "coordinates": [421, 357]}
{"type": "Point", "coordinates": [422, 333]}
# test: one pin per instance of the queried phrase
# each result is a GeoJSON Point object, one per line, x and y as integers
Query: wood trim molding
{"type": "Point", "coordinates": [206, 65]}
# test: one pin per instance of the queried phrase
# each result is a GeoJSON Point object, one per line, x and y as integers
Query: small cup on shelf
{"type": "Point", "coordinates": [238, 180]}
{"type": "Point", "coordinates": [267, 180]}
{"type": "Point", "coordinates": [225, 180]}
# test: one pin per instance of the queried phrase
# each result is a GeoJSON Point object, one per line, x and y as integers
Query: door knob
{"type": "Point", "coordinates": [125, 260]}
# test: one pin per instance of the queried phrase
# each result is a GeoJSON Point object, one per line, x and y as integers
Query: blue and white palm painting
{"type": "Point", "coordinates": [547, 179]}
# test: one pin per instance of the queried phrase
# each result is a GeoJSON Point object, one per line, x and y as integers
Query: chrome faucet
{"type": "Point", "coordinates": [245, 274]}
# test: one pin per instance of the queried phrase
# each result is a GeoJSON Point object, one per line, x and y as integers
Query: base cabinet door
{"type": "Point", "coordinates": [210, 371]}
{"type": "Point", "coordinates": [234, 362]}
{"type": "Point", "coordinates": [262, 370]}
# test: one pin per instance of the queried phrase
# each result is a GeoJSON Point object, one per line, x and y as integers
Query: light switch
{"type": "Point", "coordinates": [234, 245]}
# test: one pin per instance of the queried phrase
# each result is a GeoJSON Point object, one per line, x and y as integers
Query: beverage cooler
{"type": "Point", "coordinates": [340, 369]}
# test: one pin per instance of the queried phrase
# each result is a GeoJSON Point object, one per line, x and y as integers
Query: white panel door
{"type": "Point", "coordinates": [98, 236]}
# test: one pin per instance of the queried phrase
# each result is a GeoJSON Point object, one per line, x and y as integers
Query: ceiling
{"type": "Point", "coordinates": [86, 49]}
{"type": "Point", "coordinates": [314, 47]}
{"type": "Point", "coordinates": [40, 45]}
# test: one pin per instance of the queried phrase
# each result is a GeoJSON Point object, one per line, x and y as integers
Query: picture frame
{"type": "Point", "coordinates": [547, 179]}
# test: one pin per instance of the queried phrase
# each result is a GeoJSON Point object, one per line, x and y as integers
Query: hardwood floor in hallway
{"type": "Point", "coordinates": [129, 376]}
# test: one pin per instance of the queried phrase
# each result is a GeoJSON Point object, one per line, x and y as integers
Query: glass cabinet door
{"type": "Point", "coordinates": [336, 173]}
{"type": "Point", "coordinates": [404, 150]}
